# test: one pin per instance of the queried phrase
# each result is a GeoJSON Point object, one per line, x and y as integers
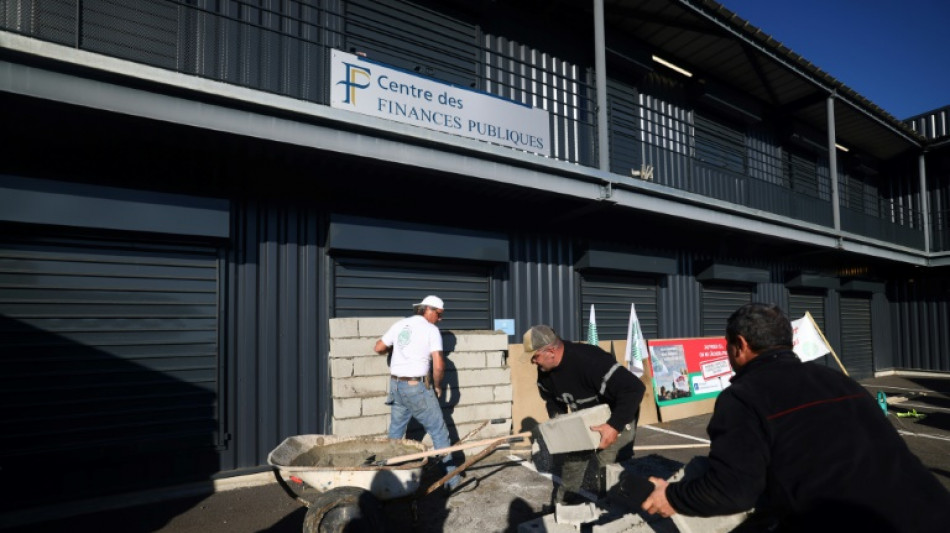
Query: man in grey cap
{"type": "Point", "coordinates": [416, 345]}
{"type": "Point", "coordinates": [574, 376]}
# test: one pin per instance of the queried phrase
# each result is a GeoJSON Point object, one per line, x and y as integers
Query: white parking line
{"type": "Point", "coordinates": [685, 436]}
{"type": "Point", "coordinates": [923, 435]}
{"type": "Point", "coordinates": [924, 406]}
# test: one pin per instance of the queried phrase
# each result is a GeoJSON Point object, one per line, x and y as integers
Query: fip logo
{"type": "Point", "coordinates": [354, 74]}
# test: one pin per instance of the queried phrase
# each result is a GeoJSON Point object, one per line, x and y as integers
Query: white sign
{"type": "Point", "coordinates": [364, 86]}
{"type": "Point", "coordinates": [712, 369]}
{"type": "Point", "coordinates": [807, 341]}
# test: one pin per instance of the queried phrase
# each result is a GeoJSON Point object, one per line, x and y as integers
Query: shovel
{"type": "Point", "coordinates": [442, 451]}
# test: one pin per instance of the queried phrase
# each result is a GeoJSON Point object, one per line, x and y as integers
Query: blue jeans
{"type": "Point", "coordinates": [417, 401]}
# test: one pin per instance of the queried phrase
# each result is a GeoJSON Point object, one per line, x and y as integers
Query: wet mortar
{"type": "Point", "coordinates": [348, 454]}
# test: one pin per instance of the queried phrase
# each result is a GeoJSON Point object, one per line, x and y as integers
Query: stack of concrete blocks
{"type": "Point", "coordinates": [568, 433]}
{"type": "Point", "coordinates": [477, 380]}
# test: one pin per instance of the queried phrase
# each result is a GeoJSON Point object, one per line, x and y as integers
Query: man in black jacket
{"type": "Point", "coordinates": [804, 445]}
{"type": "Point", "coordinates": [574, 376]}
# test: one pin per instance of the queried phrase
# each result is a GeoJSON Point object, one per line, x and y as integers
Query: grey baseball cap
{"type": "Point", "coordinates": [536, 338]}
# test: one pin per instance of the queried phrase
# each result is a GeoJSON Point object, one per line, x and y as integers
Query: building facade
{"type": "Point", "coordinates": [188, 195]}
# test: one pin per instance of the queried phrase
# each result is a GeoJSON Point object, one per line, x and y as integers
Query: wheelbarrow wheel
{"type": "Point", "coordinates": [344, 510]}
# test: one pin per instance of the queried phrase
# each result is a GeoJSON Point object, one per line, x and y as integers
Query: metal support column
{"type": "Point", "coordinates": [833, 164]}
{"type": "Point", "coordinates": [924, 204]}
{"type": "Point", "coordinates": [600, 66]}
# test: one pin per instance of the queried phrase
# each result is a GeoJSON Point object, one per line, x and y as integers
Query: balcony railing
{"type": "Point", "coordinates": [285, 50]}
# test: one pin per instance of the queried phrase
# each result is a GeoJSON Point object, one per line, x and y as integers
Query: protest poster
{"type": "Point", "coordinates": [688, 370]}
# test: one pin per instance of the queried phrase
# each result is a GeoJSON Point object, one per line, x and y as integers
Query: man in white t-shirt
{"type": "Point", "coordinates": [416, 345]}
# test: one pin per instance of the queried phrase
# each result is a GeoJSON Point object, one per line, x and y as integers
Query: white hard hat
{"type": "Point", "coordinates": [431, 301]}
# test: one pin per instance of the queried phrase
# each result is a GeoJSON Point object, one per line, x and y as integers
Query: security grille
{"type": "Point", "coordinates": [107, 345]}
{"type": "Point", "coordinates": [372, 288]}
{"type": "Point", "coordinates": [719, 302]}
{"type": "Point", "coordinates": [611, 297]}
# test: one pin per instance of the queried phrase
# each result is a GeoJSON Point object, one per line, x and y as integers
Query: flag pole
{"type": "Point", "coordinates": [828, 344]}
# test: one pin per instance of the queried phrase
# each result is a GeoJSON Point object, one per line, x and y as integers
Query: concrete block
{"type": "Point", "coordinates": [545, 524]}
{"type": "Point", "coordinates": [375, 406]}
{"type": "Point", "coordinates": [612, 475]}
{"type": "Point", "coordinates": [576, 515]}
{"type": "Point", "coordinates": [341, 368]}
{"type": "Point", "coordinates": [362, 426]}
{"type": "Point", "coordinates": [347, 407]}
{"type": "Point", "coordinates": [503, 393]}
{"type": "Point", "coordinates": [343, 327]}
{"type": "Point", "coordinates": [479, 341]}
{"type": "Point", "coordinates": [571, 432]}
{"type": "Point", "coordinates": [359, 386]}
{"type": "Point", "coordinates": [375, 326]}
{"type": "Point", "coordinates": [352, 347]}
{"type": "Point", "coordinates": [471, 395]}
{"type": "Point", "coordinates": [480, 412]}
{"type": "Point", "coordinates": [628, 523]}
{"type": "Point", "coordinates": [370, 366]}
{"type": "Point", "coordinates": [494, 359]}
{"type": "Point", "coordinates": [485, 376]}
{"type": "Point", "coordinates": [466, 360]}
{"type": "Point", "coordinates": [698, 524]}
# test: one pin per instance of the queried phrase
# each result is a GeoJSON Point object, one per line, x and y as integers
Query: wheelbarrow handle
{"type": "Point", "coordinates": [450, 449]}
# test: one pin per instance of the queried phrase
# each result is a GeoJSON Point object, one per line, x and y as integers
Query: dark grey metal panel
{"type": "Point", "coordinates": [348, 233]}
{"type": "Point", "coordinates": [110, 357]}
{"type": "Point", "coordinates": [388, 287]}
{"type": "Point", "coordinates": [857, 353]}
{"type": "Point", "coordinates": [278, 372]}
{"type": "Point", "coordinates": [534, 77]}
{"type": "Point", "coordinates": [626, 149]}
{"type": "Point", "coordinates": [920, 319]}
{"type": "Point", "coordinates": [624, 261]}
{"type": "Point", "coordinates": [680, 301]}
{"type": "Point", "coordinates": [543, 283]}
{"type": "Point", "coordinates": [733, 273]}
{"type": "Point", "coordinates": [138, 30]}
{"type": "Point", "coordinates": [40, 201]}
{"type": "Point", "coordinates": [611, 295]}
{"type": "Point", "coordinates": [815, 281]}
{"type": "Point", "coordinates": [414, 38]}
{"type": "Point", "coordinates": [666, 132]}
{"type": "Point", "coordinates": [718, 303]}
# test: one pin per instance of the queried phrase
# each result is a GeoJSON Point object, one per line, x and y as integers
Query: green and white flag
{"type": "Point", "coordinates": [592, 328]}
{"type": "Point", "coordinates": [636, 344]}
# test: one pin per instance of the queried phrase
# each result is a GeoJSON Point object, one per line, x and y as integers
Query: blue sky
{"type": "Point", "coordinates": [895, 53]}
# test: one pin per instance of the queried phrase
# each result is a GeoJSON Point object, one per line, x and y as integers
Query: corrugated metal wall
{"type": "Point", "coordinates": [543, 283]}
{"type": "Point", "coordinates": [920, 320]}
{"type": "Point", "coordinates": [277, 348]}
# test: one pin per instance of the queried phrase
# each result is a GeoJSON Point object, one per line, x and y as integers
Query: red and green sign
{"type": "Point", "coordinates": [687, 370]}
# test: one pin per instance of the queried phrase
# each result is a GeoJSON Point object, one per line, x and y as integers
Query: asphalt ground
{"type": "Point", "coordinates": [500, 491]}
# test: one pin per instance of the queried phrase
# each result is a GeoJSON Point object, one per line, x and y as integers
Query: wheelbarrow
{"type": "Point", "coordinates": [343, 481]}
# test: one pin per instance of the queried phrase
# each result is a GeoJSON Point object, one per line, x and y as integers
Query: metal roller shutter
{"type": "Point", "coordinates": [611, 296]}
{"type": "Point", "coordinates": [857, 350]}
{"type": "Point", "coordinates": [372, 287]}
{"type": "Point", "coordinates": [813, 302]}
{"type": "Point", "coordinates": [108, 347]}
{"type": "Point", "coordinates": [719, 302]}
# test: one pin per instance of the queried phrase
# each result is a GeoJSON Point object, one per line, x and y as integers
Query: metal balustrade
{"type": "Point", "coordinates": [283, 48]}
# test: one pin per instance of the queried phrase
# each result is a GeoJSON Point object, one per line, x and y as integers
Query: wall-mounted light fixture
{"type": "Point", "coordinates": [667, 64]}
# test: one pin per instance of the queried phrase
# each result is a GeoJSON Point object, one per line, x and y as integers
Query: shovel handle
{"type": "Point", "coordinates": [450, 449]}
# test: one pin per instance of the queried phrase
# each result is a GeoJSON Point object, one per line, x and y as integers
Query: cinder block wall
{"type": "Point", "coordinates": [477, 380]}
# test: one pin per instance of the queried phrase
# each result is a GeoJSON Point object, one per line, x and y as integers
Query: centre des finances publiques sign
{"type": "Point", "coordinates": [370, 88]}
